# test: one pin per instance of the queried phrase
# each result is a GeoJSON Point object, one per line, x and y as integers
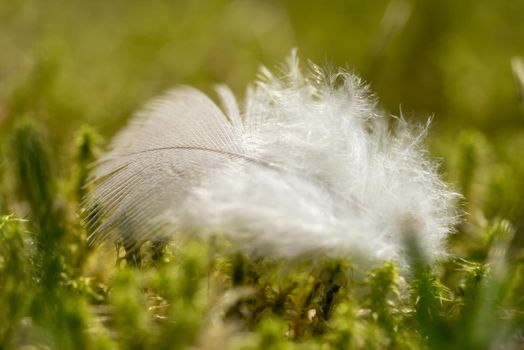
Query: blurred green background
{"type": "Point", "coordinates": [69, 62]}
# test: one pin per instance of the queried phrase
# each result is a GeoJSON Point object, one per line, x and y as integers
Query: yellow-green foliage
{"type": "Point", "coordinates": [66, 64]}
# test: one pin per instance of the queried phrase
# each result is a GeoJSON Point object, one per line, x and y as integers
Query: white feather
{"type": "Point", "coordinates": [309, 165]}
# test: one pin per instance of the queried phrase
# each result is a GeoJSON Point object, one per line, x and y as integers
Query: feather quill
{"type": "Point", "coordinates": [307, 165]}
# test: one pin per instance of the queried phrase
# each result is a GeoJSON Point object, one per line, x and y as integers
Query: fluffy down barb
{"type": "Point", "coordinates": [307, 165]}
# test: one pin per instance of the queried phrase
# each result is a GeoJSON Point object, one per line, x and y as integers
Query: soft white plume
{"type": "Point", "coordinates": [307, 165]}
